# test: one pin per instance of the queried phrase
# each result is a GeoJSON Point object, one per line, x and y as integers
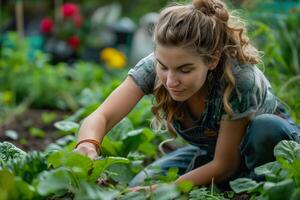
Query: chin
{"type": "Point", "coordinates": [179, 98]}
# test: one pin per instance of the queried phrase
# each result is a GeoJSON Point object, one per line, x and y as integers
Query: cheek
{"type": "Point", "coordinates": [162, 76]}
{"type": "Point", "coordinates": [197, 81]}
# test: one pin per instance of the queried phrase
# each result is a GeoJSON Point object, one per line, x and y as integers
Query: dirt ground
{"type": "Point", "coordinates": [32, 118]}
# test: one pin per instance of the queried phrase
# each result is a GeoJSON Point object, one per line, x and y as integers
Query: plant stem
{"type": "Point", "coordinates": [19, 17]}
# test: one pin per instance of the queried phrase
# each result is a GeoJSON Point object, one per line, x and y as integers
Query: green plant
{"type": "Point", "coordinates": [282, 176]}
{"type": "Point", "coordinates": [8, 151]}
{"type": "Point", "coordinates": [280, 47]}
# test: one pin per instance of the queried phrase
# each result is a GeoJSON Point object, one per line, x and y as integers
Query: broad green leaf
{"type": "Point", "coordinates": [37, 133]}
{"type": "Point", "coordinates": [199, 193]}
{"type": "Point", "coordinates": [63, 141]}
{"type": "Point", "coordinates": [296, 194]}
{"type": "Point", "coordinates": [72, 160]}
{"type": "Point", "coordinates": [148, 148]}
{"type": "Point", "coordinates": [271, 168]}
{"type": "Point", "coordinates": [111, 148]}
{"type": "Point", "coordinates": [171, 175]}
{"type": "Point", "coordinates": [13, 187]}
{"type": "Point", "coordinates": [103, 163]}
{"type": "Point", "coordinates": [243, 185]}
{"type": "Point", "coordinates": [131, 143]}
{"type": "Point", "coordinates": [7, 185]}
{"type": "Point", "coordinates": [166, 192]}
{"type": "Point", "coordinates": [83, 112]}
{"type": "Point", "coordinates": [92, 191]}
{"type": "Point", "coordinates": [185, 186]}
{"type": "Point", "coordinates": [280, 190]}
{"type": "Point", "coordinates": [48, 117]}
{"type": "Point", "coordinates": [121, 173]}
{"type": "Point", "coordinates": [54, 181]}
{"type": "Point", "coordinates": [295, 171]}
{"type": "Point", "coordinates": [133, 133]}
{"type": "Point", "coordinates": [67, 126]}
{"type": "Point", "coordinates": [120, 131]}
{"type": "Point", "coordinates": [289, 150]}
{"type": "Point", "coordinates": [12, 134]}
{"type": "Point", "coordinates": [25, 190]}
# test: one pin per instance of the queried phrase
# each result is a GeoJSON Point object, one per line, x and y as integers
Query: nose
{"type": "Point", "coordinates": [172, 80]}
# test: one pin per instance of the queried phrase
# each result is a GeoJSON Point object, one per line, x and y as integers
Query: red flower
{"type": "Point", "coordinates": [69, 10]}
{"type": "Point", "coordinates": [74, 41]}
{"type": "Point", "coordinates": [46, 25]}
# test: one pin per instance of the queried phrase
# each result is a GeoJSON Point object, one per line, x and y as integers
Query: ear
{"type": "Point", "coordinates": [214, 60]}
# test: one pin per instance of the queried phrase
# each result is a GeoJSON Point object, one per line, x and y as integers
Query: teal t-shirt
{"type": "Point", "coordinates": [251, 96]}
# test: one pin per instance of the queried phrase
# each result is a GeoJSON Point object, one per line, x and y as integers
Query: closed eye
{"type": "Point", "coordinates": [186, 71]}
{"type": "Point", "coordinates": [162, 67]}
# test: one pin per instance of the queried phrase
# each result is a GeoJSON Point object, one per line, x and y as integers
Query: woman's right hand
{"type": "Point", "coordinates": [87, 149]}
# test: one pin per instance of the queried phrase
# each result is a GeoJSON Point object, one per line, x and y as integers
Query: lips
{"type": "Point", "coordinates": [176, 91]}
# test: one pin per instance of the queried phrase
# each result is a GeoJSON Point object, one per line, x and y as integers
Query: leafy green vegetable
{"type": "Point", "coordinates": [9, 151]}
{"type": "Point", "coordinates": [282, 175]}
{"type": "Point", "coordinates": [280, 190]}
{"type": "Point", "coordinates": [289, 150]}
{"type": "Point", "coordinates": [67, 126]}
{"type": "Point", "coordinates": [243, 185]}
{"type": "Point", "coordinates": [37, 132]}
{"type": "Point", "coordinates": [54, 181]}
{"type": "Point", "coordinates": [27, 167]}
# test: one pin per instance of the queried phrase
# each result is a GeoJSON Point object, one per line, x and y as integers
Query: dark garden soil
{"type": "Point", "coordinates": [32, 118]}
{"type": "Point", "coordinates": [241, 197]}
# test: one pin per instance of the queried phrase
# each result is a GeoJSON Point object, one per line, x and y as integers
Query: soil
{"type": "Point", "coordinates": [32, 118]}
{"type": "Point", "coordinates": [241, 197]}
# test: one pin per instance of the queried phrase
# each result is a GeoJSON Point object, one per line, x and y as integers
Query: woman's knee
{"type": "Point", "coordinates": [268, 129]}
{"type": "Point", "coordinates": [262, 134]}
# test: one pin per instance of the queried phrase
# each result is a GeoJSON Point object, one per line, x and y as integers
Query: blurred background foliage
{"type": "Point", "coordinates": [27, 73]}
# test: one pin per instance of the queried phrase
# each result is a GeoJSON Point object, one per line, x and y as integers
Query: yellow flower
{"type": "Point", "coordinates": [7, 97]}
{"type": "Point", "coordinates": [113, 58]}
{"type": "Point", "coordinates": [107, 53]}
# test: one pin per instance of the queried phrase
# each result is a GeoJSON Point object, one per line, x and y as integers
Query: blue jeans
{"type": "Point", "coordinates": [262, 134]}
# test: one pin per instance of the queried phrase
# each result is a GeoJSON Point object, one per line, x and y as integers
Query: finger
{"type": "Point", "coordinates": [93, 155]}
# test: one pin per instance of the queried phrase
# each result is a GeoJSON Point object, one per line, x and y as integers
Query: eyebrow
{"type": "Point", "coordinates": [180, 66]}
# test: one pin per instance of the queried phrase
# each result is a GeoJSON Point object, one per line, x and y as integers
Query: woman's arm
{"type": "Point", "coordinates": [117, 105]}
{"type": "Point", "coordinates": [227, 155]}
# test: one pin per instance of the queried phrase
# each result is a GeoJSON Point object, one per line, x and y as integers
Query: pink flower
{"type": "Point", "coordinates": [74, 41]}
{"type": "Point", "coordinates": [46, 25]}
{"type": "Point", "coordinates": [69, 10]}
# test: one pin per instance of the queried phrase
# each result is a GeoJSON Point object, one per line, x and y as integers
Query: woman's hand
{"type": "Point", "coordinates": [87, 149]}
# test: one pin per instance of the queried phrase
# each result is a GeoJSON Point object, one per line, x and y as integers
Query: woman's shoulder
{"type": "Point", "coordinates": [249, 77]}
{"type": "Point", "coordinates": [147, 62]}
{"type": "Point", "coordinates": [143, 73]}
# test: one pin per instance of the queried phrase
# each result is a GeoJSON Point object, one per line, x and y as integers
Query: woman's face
{"type": "Point", "coordinates": [182, 72]}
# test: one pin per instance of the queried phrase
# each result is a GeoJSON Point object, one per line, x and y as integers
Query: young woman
{"type": "Point", "coordinates": [207, 90]}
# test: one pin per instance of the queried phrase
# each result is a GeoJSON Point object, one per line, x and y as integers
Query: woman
{"type": "Point", "coordinates": [207, 90]}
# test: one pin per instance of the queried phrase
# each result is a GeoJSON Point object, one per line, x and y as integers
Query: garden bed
{"type": "Point", "coordinates": [27, 122]}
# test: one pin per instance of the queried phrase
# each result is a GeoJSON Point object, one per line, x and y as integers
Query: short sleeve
{"type": "Point", "coordinates": [252, 93]}
{"type": "Point", "coordinates": [143, 74]}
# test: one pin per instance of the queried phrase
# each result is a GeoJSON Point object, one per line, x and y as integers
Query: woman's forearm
{"type": "Point", "coordinates": [203, 175]}
{"type": "Point", "coordinates": [93, 127]}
